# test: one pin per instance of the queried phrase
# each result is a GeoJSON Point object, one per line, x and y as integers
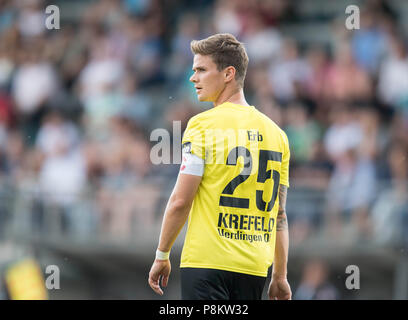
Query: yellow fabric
{"type": "Point", "coordinates": [25, 281]}
{"type": "Point", "coordinates": [235, 234]}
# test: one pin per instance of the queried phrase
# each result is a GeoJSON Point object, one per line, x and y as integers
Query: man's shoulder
{"type": "Point", "coordinates": [203, 115]}
{"type": "Point", "coordinates": [275, 128]}
{"type": "Point", "coordinates": [203, 119]}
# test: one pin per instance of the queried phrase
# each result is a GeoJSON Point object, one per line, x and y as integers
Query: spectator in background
{"type": "Point", "coordinates": [98, 83]}
{"type": "Point", "coordinates": [303, 133]}
{"type": "Point", "coordinates": [318, 62]}
{"type": "Point", "coordinates": [144, 50]}
{"type": "Point", "coordinates": [134, 104]}
{"type": "Point", "coordinates": [350, 194]}
{"type": "Point", "coordinates": [393, 76]}
{"type": "Point", "coordinates": [106, 13]}
{"type": "Point", "coordinates": [55, 134]}
{"type": "Point", "coordinates": [273, 11]}
{"type": "Point", "coordinates": [227, 18]}
{"type": "Point", "coordinates": [34, 83]}
{"type": "Point", "coordinates": [28, 195]}
{"type": "Point", "coordinates": [263, 42]}
{"type": "Point", "coordinates": [352, 184]}
{"type": "Point", "coordinates": [398, 128]}
{"type": "Point", "coordinates": [8, 13]}
{"type": "Point", "coordinates": [125, 163]}
{"type": "Point", "coordinates": [31, 18]}
{"type": "Point", "coordinates": [315, 283]}
{"type": "Point", "coordinates": [62, 175]}
{"type": "Point", "coordinates": [258, 84]}
{"type": "Point", "coordinates": [72, 56]}
{"type": "Point", "coordinates": [390, 211]}
{"type": "Point", "coordinates": [6, 117]}
{"type": "Point", "coordinates": [343, 133]}
{"type": "Point", "coordinates": [179, 69]}
{"type": "Point", "coordinates": [114, 182]}
{"type": "Point", "coordinates": [369, 43]}
{"type": "Point", "coordinates": [136, 7]}
{"type": "Point", "coordinates": [369, 120]}
{"type": "Point", "coordinates": [103, 70]}
{"type": "Point", "coordinates": [13, 154]}
{"type": "Point", "coordinates": [7, 64]}
{"type": "Point", "coordinates": [288, 73]}
{"type": "Point", "coordinates": [346, 81]}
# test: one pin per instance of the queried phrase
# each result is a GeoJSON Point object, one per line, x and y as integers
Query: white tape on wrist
{"type": "Point", "coordinates": [160, 255]}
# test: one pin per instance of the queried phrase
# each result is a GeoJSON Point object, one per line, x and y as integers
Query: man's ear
{"type": "Point", "coordinates": [229, 73]}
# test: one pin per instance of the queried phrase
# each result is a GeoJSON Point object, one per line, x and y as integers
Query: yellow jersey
{"type": "Point", "coordinates": [231, 225]}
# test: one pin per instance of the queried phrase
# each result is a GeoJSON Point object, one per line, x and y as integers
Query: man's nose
{"type": "Point", "coordinates": [192, 78]}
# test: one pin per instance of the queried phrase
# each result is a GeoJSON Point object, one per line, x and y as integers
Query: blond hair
{"type": "Point", "coordinates": [225, 50]}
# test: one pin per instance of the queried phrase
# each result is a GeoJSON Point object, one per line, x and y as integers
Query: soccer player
{"type": "Point", "coordinates": [232, 187]}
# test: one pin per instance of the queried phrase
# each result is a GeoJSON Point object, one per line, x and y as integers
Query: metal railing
{"type": "Point", "coordinates": [28, 218]}
{"type": "Point", "coordinates": [124, 218]}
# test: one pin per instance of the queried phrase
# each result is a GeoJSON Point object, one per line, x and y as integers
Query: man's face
{"type": "Point", "coordinates": [208, 81]}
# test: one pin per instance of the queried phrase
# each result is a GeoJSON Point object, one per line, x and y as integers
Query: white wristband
{"type": "Point", "coordinates": [160, 255]}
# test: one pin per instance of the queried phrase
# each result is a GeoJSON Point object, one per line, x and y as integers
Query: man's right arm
{"type": "Point", "coordinates": [175, 216]}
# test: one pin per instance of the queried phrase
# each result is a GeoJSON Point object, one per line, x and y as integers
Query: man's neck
{"type": "Point", "coordinates": [236, 97]}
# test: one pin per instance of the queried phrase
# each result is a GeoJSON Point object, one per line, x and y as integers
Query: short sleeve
{"type": "Point", "coordinates": [284, 179]}
{"type": "Point", "coordinates": [193, 139]}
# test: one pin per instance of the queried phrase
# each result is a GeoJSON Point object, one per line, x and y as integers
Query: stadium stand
{"type": "Point", "coordinates": [78, 105]}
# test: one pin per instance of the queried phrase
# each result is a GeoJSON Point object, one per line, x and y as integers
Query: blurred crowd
{"type": "Point", "coordinates": [77, 106]}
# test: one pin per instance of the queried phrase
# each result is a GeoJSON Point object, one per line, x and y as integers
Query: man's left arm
{"type": "Point", "coordinates": [279, 287]}
{"type": "Point", "coordinates": [175, 216]}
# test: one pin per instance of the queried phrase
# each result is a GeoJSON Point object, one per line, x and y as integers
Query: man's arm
{"type": "Point", "coordinates": [177, 209]}
{"type": "Point", "coordinates": [282, 236]}
{"type": "Point", "coordinates": [175, 216]}
{"type": "Point", "coordinates": [279, 287]}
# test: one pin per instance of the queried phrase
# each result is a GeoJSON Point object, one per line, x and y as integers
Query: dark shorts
{"type": "Point", "coordinates": [212, 284]}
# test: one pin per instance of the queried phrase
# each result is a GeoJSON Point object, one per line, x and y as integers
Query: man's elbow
{"type": "Point", "coordinates": [282, 222]}
{"type": "Point", "coordinates": [180, 205]}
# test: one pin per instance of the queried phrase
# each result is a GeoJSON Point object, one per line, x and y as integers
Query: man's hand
{"type": "Point", "coordinates": [279, 289]}
{"type": "Point", "coordinates": [160, 271]}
